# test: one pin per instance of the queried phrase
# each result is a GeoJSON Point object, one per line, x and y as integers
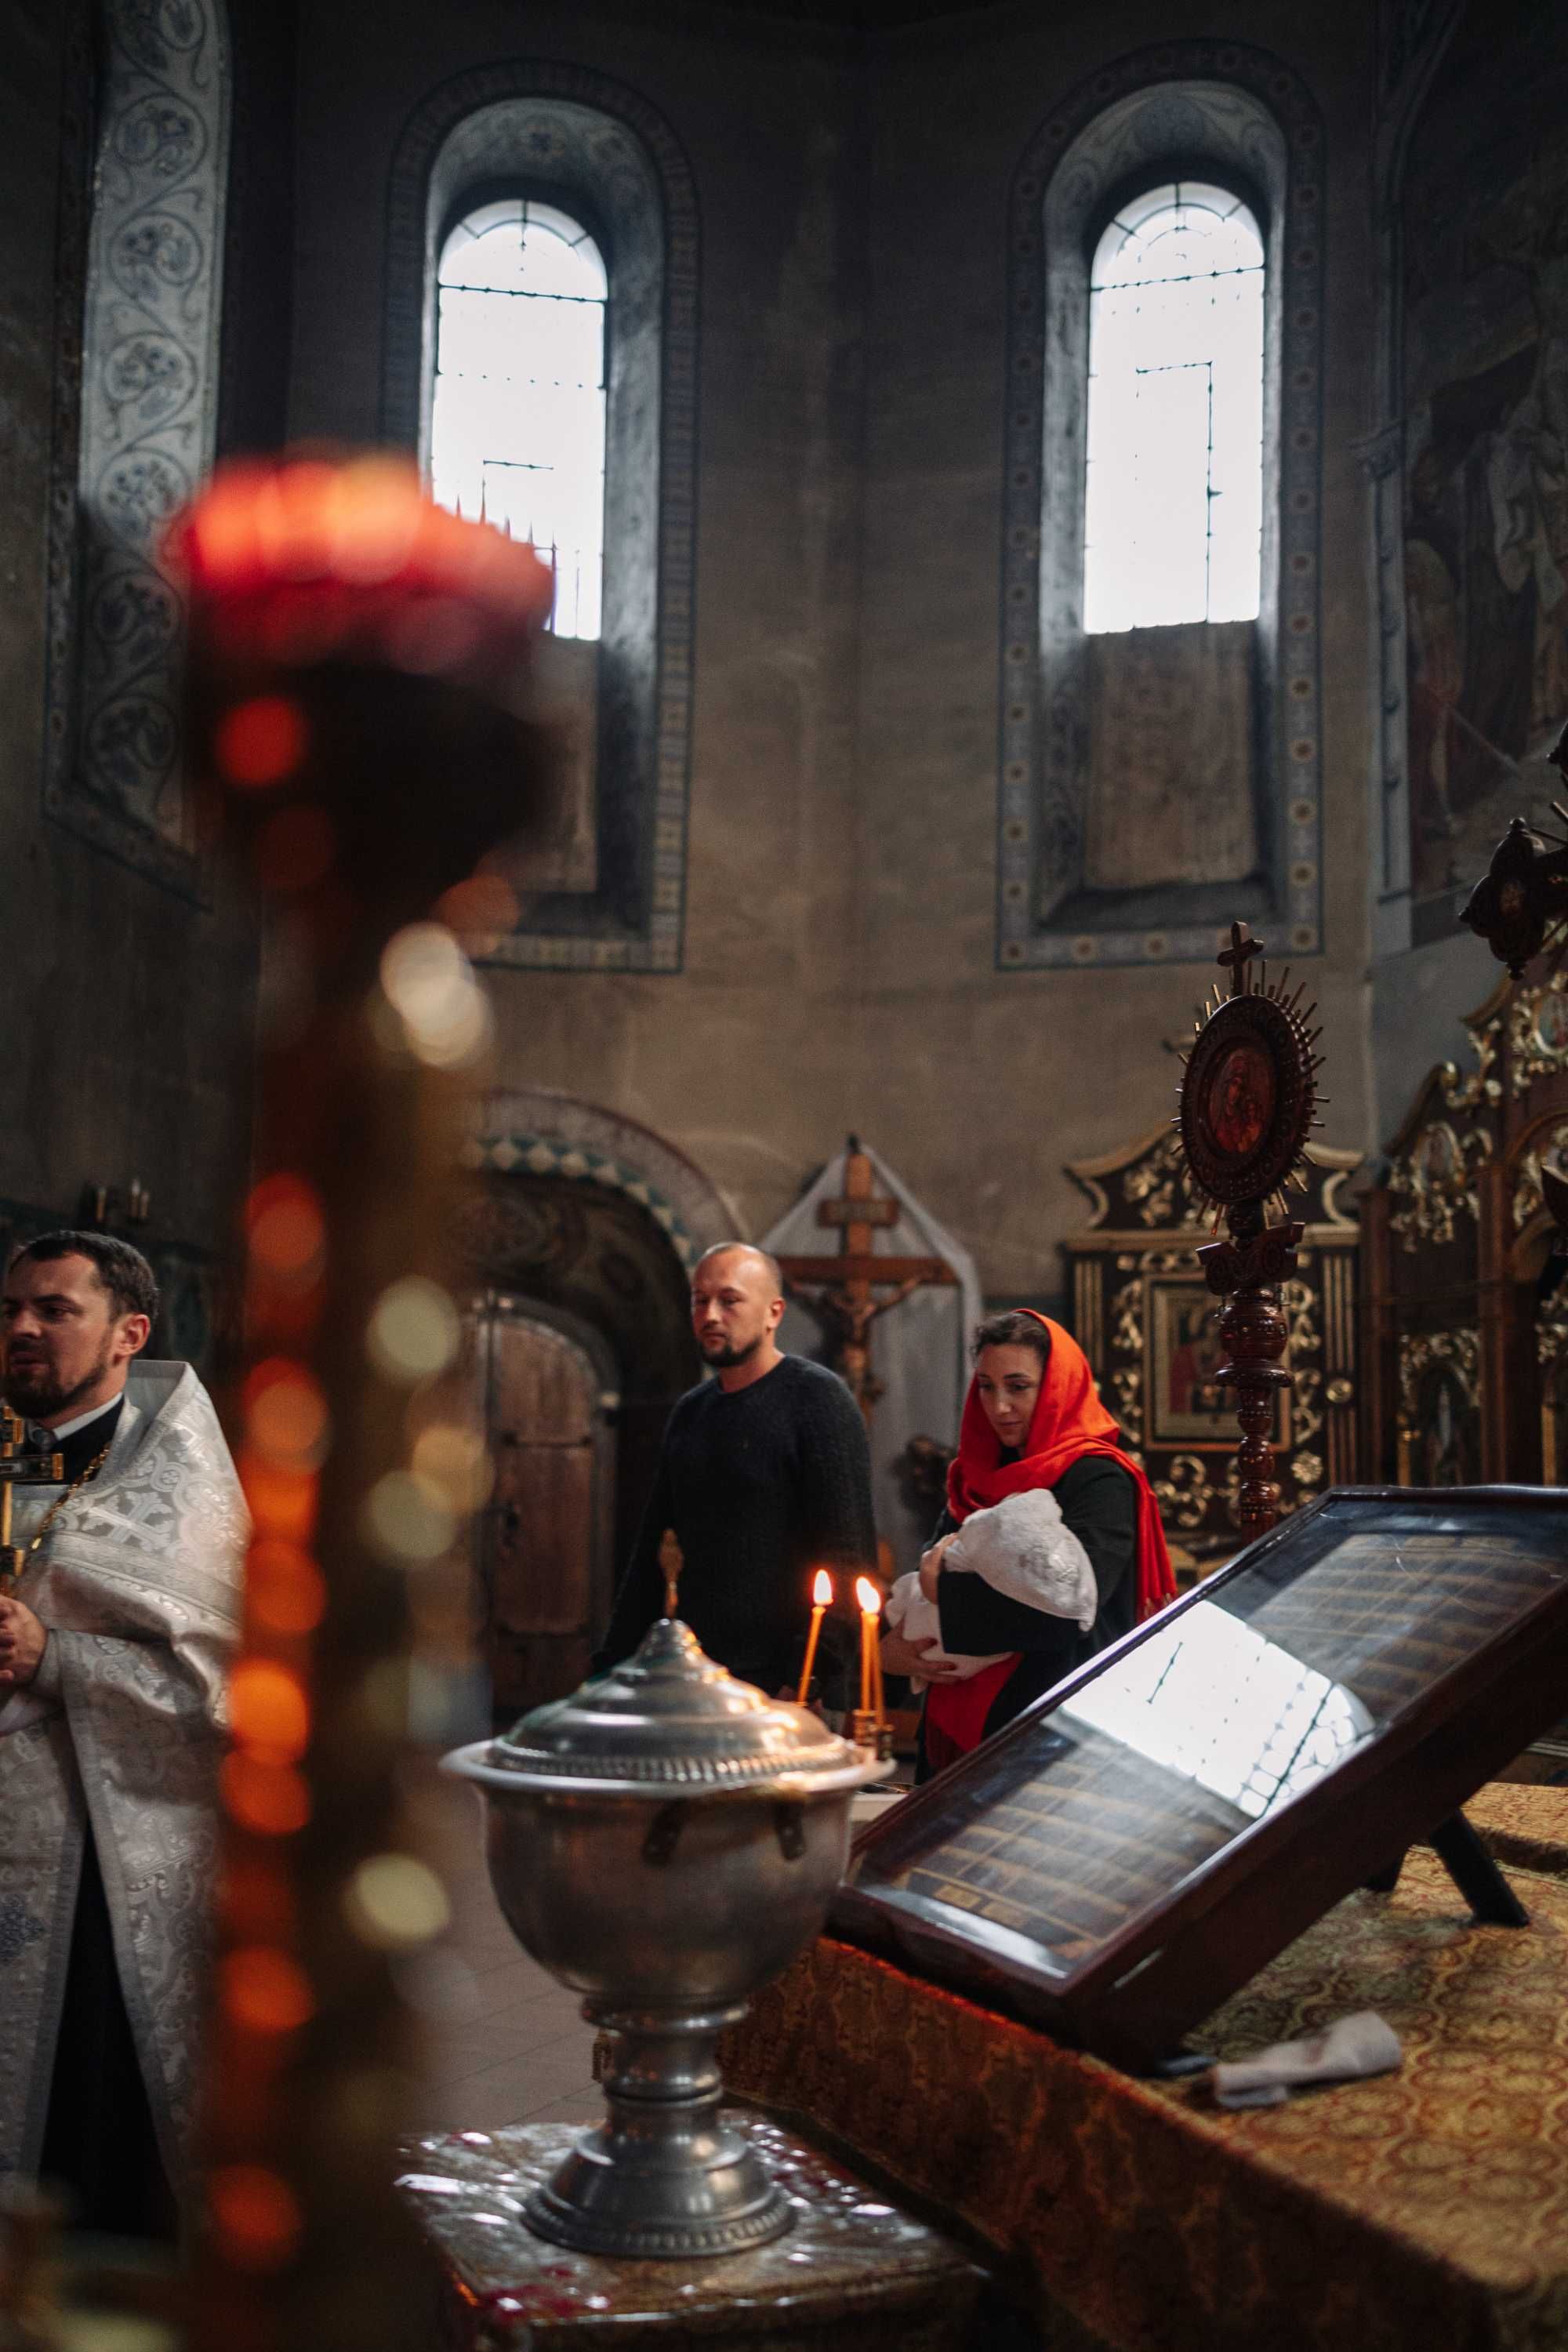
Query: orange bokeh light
{"type": "Point", "coordinates": [282, 1502]}
{"type": "Point", "coordinates": [265, 1989]}
{"type": "Point", "coordinates": [480, 907]}
{"type": "Point", "coordinates": [867, 1597]}
{"type": "Point", "coordinates": [286, 1230]}
{"type": "Point", "coordinates": [285, 1413]}
{"type": "Point", "coordinates": [268, 1710]}
{"type": "Point", "coordinates": [223, 530]}
{"type": "Point", "coordinates": [822, 1590]}
{"type": "Point", "coordinates": [256, 2214]}
{"type": "Point", "coordinates": [285, 1591]}
{"type": "Point", "coordinates": [261, 742]}
{"type": "Point", "coordinates": [270, 1799]}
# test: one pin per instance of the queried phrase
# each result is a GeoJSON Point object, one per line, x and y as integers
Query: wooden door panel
{"type": "Point", "coordinates": [542, 1545]}
{"type": "Point", "coordinates": [540, 1541]}
{"type": "Point", "coordinates": [542, 1386]}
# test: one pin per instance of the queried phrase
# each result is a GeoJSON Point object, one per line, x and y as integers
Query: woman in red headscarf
{"type": "Point", "coordinates": [1032, 1418]}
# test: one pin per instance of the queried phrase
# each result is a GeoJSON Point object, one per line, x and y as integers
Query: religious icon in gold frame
{"type": "Point", "coordinates": [1549, 1026]}
{"type": "Point", "coordinates": [1184, 1404]}
{"type": "Point", "coordinates": [1249, 1095]}
{"type": "Point", "coordinates": [1443, 1450]}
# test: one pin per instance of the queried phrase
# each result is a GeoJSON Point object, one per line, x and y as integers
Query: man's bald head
{"type": "Point", "coordinates": [766, 1265]}
{"type": "Point", "coordinates": [737, 1299]}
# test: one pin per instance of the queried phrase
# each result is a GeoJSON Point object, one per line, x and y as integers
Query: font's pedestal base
{"type": "Point", "coordinates": [852, 2273]}
{"type": "Point", "coordinates": [666, 2177]}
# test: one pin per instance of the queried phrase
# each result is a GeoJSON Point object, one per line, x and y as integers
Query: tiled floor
{"type": "Point", "coordinates": [506, 2043]}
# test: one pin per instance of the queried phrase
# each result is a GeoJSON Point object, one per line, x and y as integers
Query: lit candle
{"type": "Point", "coordinates": [876, 1703]}
{"type": "Point", "coordinates": [870, 1601]}
{"type": "Point", "coordinates": [821, 1603]}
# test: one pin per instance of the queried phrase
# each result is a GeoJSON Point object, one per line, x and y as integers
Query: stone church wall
{"type": "Point", "coordinates": [748, 1058]}
{"type": "Point", "coordinates": [835, 900]}
{"type": "Point", "coordinates": [130, 996]}
{"type": "Point", "coordinates": [840, 963]}
{"type": "Point", "coordinates": [1031, 1067]}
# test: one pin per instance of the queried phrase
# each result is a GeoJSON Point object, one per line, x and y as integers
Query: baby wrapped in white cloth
{"type": "Point", "coordinates": [1021, 1548]}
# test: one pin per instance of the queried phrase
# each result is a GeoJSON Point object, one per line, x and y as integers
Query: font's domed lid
{"type": "Point", "coordinates": [670, 1722]}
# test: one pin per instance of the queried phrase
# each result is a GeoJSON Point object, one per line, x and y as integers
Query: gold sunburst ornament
{"type": "Point", "coordinates": [1248, 1102]}
{"type": "Point", "coordinates": [1249, 1097]}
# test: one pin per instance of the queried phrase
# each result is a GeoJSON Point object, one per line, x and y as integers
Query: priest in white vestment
{"type": "Point", "coordinates": [115, 1640]}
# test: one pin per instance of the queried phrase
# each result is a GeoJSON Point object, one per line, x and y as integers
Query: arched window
{"type": "Point", "coordinates": [1160, 746]}
{"type": "Point", "coordinates": [1173, 481]}
{"type": "Point", "coordinates": [540, 355]}
{"type": "Point", "coordinates": [517, 427]}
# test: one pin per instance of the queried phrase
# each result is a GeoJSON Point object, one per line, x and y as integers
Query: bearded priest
{"type": "Point", "coordinates": [115, 1637]}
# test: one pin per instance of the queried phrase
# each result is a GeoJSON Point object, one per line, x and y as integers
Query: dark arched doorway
{"type": "Point", "coordinates": [580, 1296]}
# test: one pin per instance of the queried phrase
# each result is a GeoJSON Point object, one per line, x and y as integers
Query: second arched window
{"type": "Point", "coordinates": [517, 414]}
{"type": "Point", "coordinates": [1174, 482]}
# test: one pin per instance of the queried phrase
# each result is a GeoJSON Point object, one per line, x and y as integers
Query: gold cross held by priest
{"type": "Point", "coordinates": [21, 1464]}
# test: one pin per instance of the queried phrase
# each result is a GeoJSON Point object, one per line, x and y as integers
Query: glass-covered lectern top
{"type": "Point", "coordinates": [1098, 1808]}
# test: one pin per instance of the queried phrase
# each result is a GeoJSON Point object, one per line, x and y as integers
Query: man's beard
{"type": "Point", "coordinates": [37, 1393]}
{"type": "Point", "coordinates": [725, 1357]}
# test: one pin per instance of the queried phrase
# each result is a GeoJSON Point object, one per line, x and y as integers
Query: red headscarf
{"type": "Point", "coordinates": [1069, 1422]}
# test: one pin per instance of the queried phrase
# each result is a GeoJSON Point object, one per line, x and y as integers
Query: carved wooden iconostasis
{"type": "Point", "coordinates": [1150, 1326]}
{"type": "Point", "coordinates": [1465, 1306]}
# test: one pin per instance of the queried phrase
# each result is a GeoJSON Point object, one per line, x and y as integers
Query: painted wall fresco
{"type": "Point", "coordinates": [1486, 459]}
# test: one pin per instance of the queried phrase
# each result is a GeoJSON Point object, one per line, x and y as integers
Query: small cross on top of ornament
{"type": "Point", "coordinates": [1237, 956]}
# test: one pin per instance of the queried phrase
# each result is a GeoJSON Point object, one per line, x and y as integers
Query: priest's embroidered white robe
{"type": "Point", "coordinates": [139, 1584]}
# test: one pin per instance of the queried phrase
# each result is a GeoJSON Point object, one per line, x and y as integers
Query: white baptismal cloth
{"type": "Point", "coordinates": [1021, 1546]}
{"type": "Point", "coordinates": [137, 1582]}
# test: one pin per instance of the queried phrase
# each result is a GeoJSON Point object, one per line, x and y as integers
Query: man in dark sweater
{"type": "Point", "coordinates": [765, 1475]}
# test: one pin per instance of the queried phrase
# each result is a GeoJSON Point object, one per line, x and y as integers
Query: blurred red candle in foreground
{"type": "Point", "coordinates": [306, 558]}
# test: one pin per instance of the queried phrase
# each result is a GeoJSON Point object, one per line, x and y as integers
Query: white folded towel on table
{"type": "Point", "coordinates": [1352, 2046]}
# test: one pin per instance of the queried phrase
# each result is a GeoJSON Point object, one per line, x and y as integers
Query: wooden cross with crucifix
{"type": "Point", "coordinates": [856, 1286]}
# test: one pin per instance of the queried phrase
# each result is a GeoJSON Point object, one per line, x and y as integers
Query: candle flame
{"type": "Point", "coordinates": [866, 1594]}
{"type": "Point", "coordinates": [822, 1590]}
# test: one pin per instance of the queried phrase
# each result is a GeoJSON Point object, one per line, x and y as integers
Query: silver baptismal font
{"type": "Point", "coordinates": [664, 1841]}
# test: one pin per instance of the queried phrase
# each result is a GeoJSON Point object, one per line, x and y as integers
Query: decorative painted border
{"type": "Point", "coordinates": [1036, 733]}
{"type": "Point", "coordinates": [545, 1155]}
{"type": "Point", "coordinates": [601, 937]}
{"type": "Point", "coordinates": [138, 318]}
{"type": "Point", "coordinates": [544, 1133]}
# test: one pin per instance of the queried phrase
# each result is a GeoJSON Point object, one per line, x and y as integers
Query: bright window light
{"type": "Point", "coordinates": [517, 430]}
{"type": "Point", "coordinates": [1173, 496]}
